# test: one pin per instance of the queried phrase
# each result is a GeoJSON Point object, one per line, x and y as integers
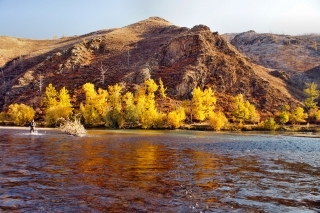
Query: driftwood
{"type": "Point", "coordinates": [74, 128]}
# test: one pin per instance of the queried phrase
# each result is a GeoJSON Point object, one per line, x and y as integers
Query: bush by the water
{"type": "Point", "coordinates": [20, 114]}
{"type": "Point", "coordinates": [72, 127]}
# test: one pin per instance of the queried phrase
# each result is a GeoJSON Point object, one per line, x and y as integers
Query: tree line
{"type": "Point", "coordinates": [115, 108]}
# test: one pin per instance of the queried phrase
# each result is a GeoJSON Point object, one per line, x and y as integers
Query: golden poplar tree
{"type": "Point", "coordinates": [217, 120]}
{"type": "Point", "coordinates": [203, 103]}
{"type": "Point", "coordinates": [114, 115]}
{"type": "Point", "coordinates": [58, 105]}
{"type": "Point", "coordinates": [176, 117]}
{"type": "Point", "coordinates": [240, 111]}
{"type": "Point", "coordinates": [162, 89]}
{"type": "Point", "coordinates": [149, 116]}
{"type": "Point", "coordinates": [95, 107]}
{"type": "Point", "coordinates": [130, 111]}
{"type": "Point", "coordinates": [312, 94]}
{"type": "Point", "coordinates": [298, 115]}
{"type": "Point", "coordinates": [20, 114]}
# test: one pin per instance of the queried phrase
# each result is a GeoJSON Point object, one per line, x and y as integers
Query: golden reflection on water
{"type": "Point", "coordinates": [115, 173]}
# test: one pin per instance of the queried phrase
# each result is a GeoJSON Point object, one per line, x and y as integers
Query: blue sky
{"type": "Point", "coordinates": [41, 19]}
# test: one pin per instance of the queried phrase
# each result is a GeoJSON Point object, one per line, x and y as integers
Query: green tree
{"type": "Point", "coordinates": [20, 114]}
{"type": "Point", "coordinates": [312, 94]}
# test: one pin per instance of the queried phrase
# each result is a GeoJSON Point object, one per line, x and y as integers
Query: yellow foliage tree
{"type": "Point", "coordinates": [2, 117]}
{"type": "Point", "coordinates": [176, 117]}
{"type": "Point", "coordinates": [130, 112]}
{"type": "Point", "coordinates": [253, 115]}
{"type": "Point", "coordinates": [268, 124]}
{"type": "Point", "coordinates": [95, 108]}
{"type": "Point", "coordinates": [284, 115]}
{"type": "Point", "coordinates": [298, 115]}
{"type": "Point", "coordinates": [51, 96]}
{"type": "Point", "coordinates": [203, 103]}
{"type": "Point", "coordinates": [114, 114]}
{"type": "Point", "coordinates": [148, 114]}
{"type": "Point", "coordinates": [312, 94]}
{"type": "Point", "coordinates": [314, 114]}
{"type": "Point", "coordinates": [58, 105]}
{"type": "Point", "coordinates": [218, 120]}
{"type": "Point", "coordinates": [162, 89]}
{"type": "Point", "coordinates": [20, 114]}
{"type": "Point", "coordinates": [240, 111]}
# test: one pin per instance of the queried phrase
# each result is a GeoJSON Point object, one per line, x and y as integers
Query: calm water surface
{"type": "Point", "coordinates": [158, 171]}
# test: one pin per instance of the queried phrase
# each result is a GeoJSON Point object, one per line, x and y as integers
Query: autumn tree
{"type": "Point", "coordinates": [312, 94]}
{"type": "Point", "coordinates": [314, 114]}
{"type": "Point", "coordinates": [218, 120]}
{"type": "Point", "coordinates": [58, 105]}
{"type": "Point", "coordinates": [268, 124]}
{"type": "Point", "coordinates": [114, 113]}
{"type": "Point", "coordinates": [94, 109]}
{"type": "Point", "coordinates": [3, 116]}
{"type": "Point", "coordinates": [240, 111]}
{"type": "Point", "coordinates": [298, 115]}
{"type": "Point", "coordinates": [20, 114]}
{"type": "Point", "coordinates": [253, 115]}
{"type": "Point", "coordinates": [162, 89]}
{"type": "Point", "coordinates": [176, 117]}
{"type": "Point", "coordinates": [284, 115]}
{"type": "Point", "coordinates": [203, 103]}
{"type": "Point", "coordinates": [148, 114]}
{"type": "Point", "coordinates": [244, 110]}
{"type": "Point", "coordinates": [131, 115]}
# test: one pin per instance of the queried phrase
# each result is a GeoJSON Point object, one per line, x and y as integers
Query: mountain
{"type": "Point", "coordinates": [294, 58]}
{"type": "Point", "coordinates": [183, 58]}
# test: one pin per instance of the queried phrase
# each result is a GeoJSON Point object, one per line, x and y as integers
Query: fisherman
{"type": "Point", "coordinates": [32, 125]}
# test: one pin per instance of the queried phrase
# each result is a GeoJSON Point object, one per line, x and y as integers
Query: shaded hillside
{"type": "Point", "coordinates": [184, 59]}
{"type": "Point", "coordinates": [292, 54]}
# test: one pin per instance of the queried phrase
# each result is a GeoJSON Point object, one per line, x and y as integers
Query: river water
{"type": "Point", "coordinates": [158, 171]}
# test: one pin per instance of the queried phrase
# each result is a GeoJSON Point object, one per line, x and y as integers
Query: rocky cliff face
{"type": "Point", "coordinates": [184, 59]}
{"type": "Point", "coordinates": [292, 55]}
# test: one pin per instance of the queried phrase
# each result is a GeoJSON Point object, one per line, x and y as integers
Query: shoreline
{"type": "Point", "coordinates": [298, 132]}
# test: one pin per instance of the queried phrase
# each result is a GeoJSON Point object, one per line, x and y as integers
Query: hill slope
{"type": "Point", "coordinates": [184, 59]}
{"type": "Point", "coordinates": [296, 56]}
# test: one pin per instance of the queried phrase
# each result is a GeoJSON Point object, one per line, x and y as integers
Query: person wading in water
{"type": "Point", "coordinates": [32, 125]}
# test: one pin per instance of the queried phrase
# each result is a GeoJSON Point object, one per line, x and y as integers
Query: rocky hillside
{"type": "Point", "coordinates": [184, 59]}
{"type": "Point", "coordinates": [294, 58]}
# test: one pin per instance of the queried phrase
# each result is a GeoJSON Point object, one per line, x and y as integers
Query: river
{"type": "Point", "coordinates": [158, 171]}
